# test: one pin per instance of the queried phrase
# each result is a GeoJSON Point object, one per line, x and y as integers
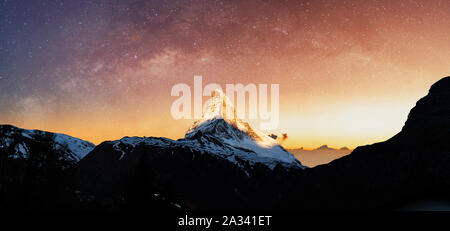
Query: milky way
{"type": "Point", "coordinates": [349, 71]}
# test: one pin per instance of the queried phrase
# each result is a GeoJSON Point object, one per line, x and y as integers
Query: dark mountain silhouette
{"type": "Point", "coordinates": [206, 171]}
{"type": "Point", "coordinates": [411, 165]}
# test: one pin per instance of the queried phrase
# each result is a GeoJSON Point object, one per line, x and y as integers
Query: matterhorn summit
{"type": "Point", "coordinates": [220, 156]}
{"type": "Point", "coordinates": [221, 134]}
{"type": "Point", "coordinates": [219, 106]}
{"type": "Point", "coordinates": [221, 131]}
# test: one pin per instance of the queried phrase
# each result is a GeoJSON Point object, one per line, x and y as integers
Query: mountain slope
{"type": "Point", "coordinates": [37, 169]}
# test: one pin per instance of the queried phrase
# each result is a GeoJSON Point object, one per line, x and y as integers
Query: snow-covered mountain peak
{"type": "Point", "coordinates": [219, 106]}
{"type": "Point", "coordinates": [220, 125]}
{"type": "Point", "coordinates": [219, 118]}
{"type": "Point", "coordinates": [219, 132]}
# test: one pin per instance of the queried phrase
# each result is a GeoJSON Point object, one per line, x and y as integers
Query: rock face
{"type": "Point", "coordinates": [37, 168]}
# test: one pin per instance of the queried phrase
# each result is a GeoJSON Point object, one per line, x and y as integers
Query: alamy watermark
{"type": "Point", "coordinates": [258, 104]}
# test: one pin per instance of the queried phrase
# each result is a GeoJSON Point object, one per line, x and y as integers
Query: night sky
{"type": "Point", "coordinates": [349, 71]}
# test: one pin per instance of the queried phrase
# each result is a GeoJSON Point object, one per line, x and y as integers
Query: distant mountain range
{"type": "Point", "coordinates": [320, 155]}
{"type": "Point", "coordinates": [224, 164]}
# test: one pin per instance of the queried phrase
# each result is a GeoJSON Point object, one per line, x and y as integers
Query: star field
{"type": "Point", "coordinates": [349, 71]}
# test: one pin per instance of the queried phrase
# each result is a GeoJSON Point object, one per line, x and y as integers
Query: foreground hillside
{"type": "Point", "coordinates": [413, 164]}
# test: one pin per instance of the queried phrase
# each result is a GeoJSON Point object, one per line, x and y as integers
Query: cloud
{"type": "Point", "coordinates": [284, 136]}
